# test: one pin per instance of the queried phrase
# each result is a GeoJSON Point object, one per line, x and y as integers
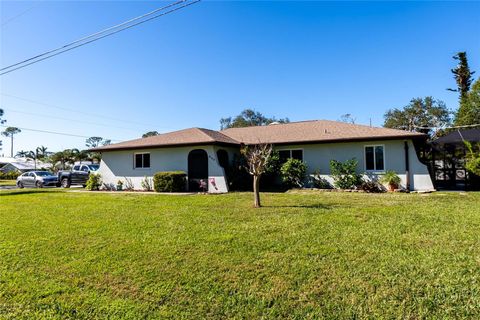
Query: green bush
{"type": "Point", "coordinates": [345, 174]}
{"type": "Point", "coordinates": [169, 181]}
{"type": "Point", "coordinates": [12, 175]}
{"type": "Point", "coordinates": [391, 178]}
{"type": "Point", "coordinates": [293, 172]}
{"type": "Point", "coordinates": [94, 182]}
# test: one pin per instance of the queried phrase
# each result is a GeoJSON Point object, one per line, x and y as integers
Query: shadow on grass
{"type": "Point", "coordinates": [307, 206]}
{"type": "Point", "coordinates": [17, 192]}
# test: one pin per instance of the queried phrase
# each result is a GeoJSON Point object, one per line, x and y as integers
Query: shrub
{"type": "Point", "coordinates": [12, 175]}
{"type": "Point", "coordinates": [147, 184]}
{"type": "Point", "coordinates": [345, 174]}
{"type": "Point", "coordinates": [472, 158]}
{"type": "Point", "coordinates": [391, 178]}
{"type": "Point", "coordinates": [371, 187]}
{"type": "Point", "coordinates": [94, 182]}
{"type": "Point", "coordinates": [169, 181]}
{"type": "Point", "coordinates": [293, 172]}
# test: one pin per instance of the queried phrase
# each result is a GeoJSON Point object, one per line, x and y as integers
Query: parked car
{"type": "Point", "coordinates": [37, 179]}
{"type": "Point", "coordinates": [78, 175]}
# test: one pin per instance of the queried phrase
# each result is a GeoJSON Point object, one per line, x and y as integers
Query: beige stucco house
{"type": "Point", "coordinates": [204, 154]}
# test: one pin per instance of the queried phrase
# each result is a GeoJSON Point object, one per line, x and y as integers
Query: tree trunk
{"type": "Point", "coordinates": [256, 191]}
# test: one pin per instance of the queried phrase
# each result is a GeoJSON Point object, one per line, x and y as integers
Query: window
{"type": "Point", "coordinates": [142, 160]}
{"type": "Point", "coordinates": [287, 154]}
{"type": "Point", "coordinates": [374, 158]}
{"type": "Point", "coordinates": [84, 168]}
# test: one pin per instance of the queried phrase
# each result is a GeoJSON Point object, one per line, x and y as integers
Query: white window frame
{"type": "Point", "coordinates": [295, 149]}
{"type": "Point", "coordinates": [142, 167]}
{"type": "Point", "coordinates": [374, 158]}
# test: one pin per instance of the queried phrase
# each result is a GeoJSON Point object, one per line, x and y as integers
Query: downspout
{"type": "Point", "coordinates": [407, 166]}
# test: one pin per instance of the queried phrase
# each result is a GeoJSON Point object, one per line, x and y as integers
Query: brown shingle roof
{"type": "Point", "coordinates": [190, 136]}
{"type": "Point", "coordinates": [294, 132]}
{"type": "Point", "coordinates": [314, 131]}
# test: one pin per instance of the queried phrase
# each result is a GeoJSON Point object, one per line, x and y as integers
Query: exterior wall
{"type": "Point", "coordinates": [118, 165]}
{"type": "Point", "coordinates": [318, 156]}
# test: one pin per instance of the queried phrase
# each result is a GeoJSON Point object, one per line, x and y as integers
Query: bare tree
{"type": "Point", "coordinates": [257, 157]}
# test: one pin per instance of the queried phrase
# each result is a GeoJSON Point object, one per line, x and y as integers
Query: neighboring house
{"type": "Point", "coordinates": [203, 154]}
{"type": "Point", "coordinates": [20, 165]}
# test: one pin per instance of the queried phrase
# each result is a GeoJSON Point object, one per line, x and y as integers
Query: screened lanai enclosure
{"type": "Point", "coordinates": [448, 158]}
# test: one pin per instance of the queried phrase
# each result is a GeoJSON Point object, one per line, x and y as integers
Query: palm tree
{"type": "Point", "coordinates": [10, 132]}
{"type": "Point", "coordinates": [22, 154]}
{"type": "Point", "coordinates": [42, 152]}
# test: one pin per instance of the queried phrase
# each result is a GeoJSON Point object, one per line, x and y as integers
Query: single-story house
{"type": "Point", "coordinates": [204, 154]}
{"type": "Point", "coordinates": [21, 165]}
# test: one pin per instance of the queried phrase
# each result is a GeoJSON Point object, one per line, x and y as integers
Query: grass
{"type": "Point", "coordinates": [303, 255]}
{"type": "Point", "coordinates": [7, 182]}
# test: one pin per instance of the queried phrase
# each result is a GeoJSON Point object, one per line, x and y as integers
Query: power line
{"type": "Point", "coordinates": [67, 119]}
{"type": "Point", "coordinates": [54, 132]}
{"type": "Point", "coordinates": [96, 36]}
{"type": "Point", "coordinates": [78, 111]}
{"type": "Point", "coordinates": [4, 23]}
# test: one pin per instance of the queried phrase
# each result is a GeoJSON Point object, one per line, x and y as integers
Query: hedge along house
{"type": "Point", "coordinates": [205, 154]}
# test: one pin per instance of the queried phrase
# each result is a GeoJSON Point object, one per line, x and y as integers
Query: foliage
{"type": "Point", "coordinates": [469, 111]}
{"type": "Point", "coordinates": [345, 174]}
{"type": "Point", "coordinates": [348, 118]}
{"type": "Point", "coordinates": [10, 132]}
{"type": "Point", "coordinates": [472, 158]}
{"type": "Point", "coordinates": [2, 121]}
{"type": "Point", "coordinates": [94, 182]}
{"type": "Point", "coordinates": [390, 178]}
{"type": "Point", "coordinates": [169, 181]}
{"type": "Point", "coordinates": [147, 184]}
{"type": "Point", "coordinates": [371, 187]}
{"type": "Point", "coordinates": [305, 255]}
{"type": "Point", "coordinates": [94, 142]}
{"type": "Point", "coordinates": [462, 74]}
{"type": "Point", "coordinates": [150, 134]}
{"type": "Point", "coordinates": [257, 157]}
{"type": "Point", "coordinates": [248, 118]}
{"type": "Point", "coordinates": [419, 115]}
{"type": "Point", "coordinates": [237, 176]}
{"type": "Point", "coordinates": [12, 175]}
{"type": "Point", "coordinates": [293, 172]}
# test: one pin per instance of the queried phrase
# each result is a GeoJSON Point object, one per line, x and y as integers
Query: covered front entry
{"type": "Point", "coordinates": [198, 170]}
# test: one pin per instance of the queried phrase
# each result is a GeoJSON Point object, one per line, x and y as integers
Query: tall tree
{"type": "Point", "coordinates": [249, 118]}
{"type": "Point", "coordinates": [469, 111]}
{"type": "Point", "coordinates": [2, 121]}
{"type": "Point", "coordinates": [150, 134]}
{"type": "Point", "coordinates": [420, 115]}
{"type": "Point", "coordinates": [10, 132]}
{"type": "Point", "coordinates": [348, 118]}
{"type": "Point", "coordinates": [463, 78]}
{"type": "Point", "coordinates": [462, 74]}
{"type": "Point", "coordinates": [257, 157]}
{"type": "Point", "coordinates": [94, 142]}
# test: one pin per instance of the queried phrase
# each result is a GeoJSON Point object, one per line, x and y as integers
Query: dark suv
{"type": "Point", "coordinates": [78, 175]}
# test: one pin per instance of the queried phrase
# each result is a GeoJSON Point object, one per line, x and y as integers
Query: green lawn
{"type": "Point", "coordinates": [7, 182]}
{"type": "Point", "coordinates": [304, 255]}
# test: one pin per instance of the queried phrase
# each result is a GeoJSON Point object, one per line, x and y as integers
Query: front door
{"type": "Point", "coordinates": [198, 170]}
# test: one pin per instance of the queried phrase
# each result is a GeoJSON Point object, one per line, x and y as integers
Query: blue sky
{"type": "Point", "coordinates": [301, 60]}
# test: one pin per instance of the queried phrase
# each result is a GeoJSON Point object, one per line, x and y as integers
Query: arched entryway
{"type": "Point", "coordinates": [198, 170]}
